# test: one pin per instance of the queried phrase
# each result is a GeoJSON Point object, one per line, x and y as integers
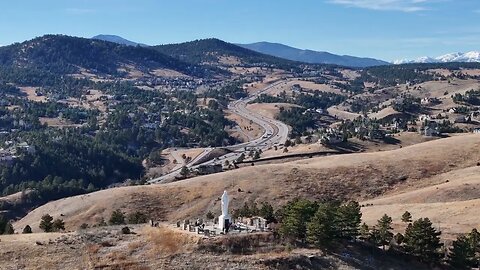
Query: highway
{"type": "Point", "coordinates": [275, 133]}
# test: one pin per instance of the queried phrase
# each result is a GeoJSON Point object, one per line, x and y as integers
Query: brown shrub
{"type": "Point", "coordinates": [166, 241]}
{"type": "Point", "coordinates": [106, 244]}
{"type": "Point", "coordinates": [90, 257]}
{"type": "Point", "coordinates": [93, 248]}
{"type": "Point", "coordinates": [133, 246]}
{"type": "Point", "coordinates": [116, 256]}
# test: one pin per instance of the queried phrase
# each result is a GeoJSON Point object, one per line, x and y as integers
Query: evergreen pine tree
{"type": "Point", "coordinates": [423, 241]}
{"type": "Point", "coordinates": [474, 240]}
{"type": "Point", "coordinates": [58, 225]}
{"type": "Point", "coordinates": [8, 229]}
{"type": "Point", "coordinates": [3, 222]}
{"type": "Point", "coordinates": [266, 211]}
{"type": "Point", "coordinates": [374, 236]}
{"type": "Point", "coordinates": [27, 229]}
{"type": "Point", "coordinates": [398, 238]}
{"type": "Point", "coordinates": [349, 218]}
{"type": "Point", "coordinates": [321, 230]}
{"type": "Point", "coordinates": [254, 209]}
{"type": "Point", "coordinates": [210, 215]}
{"type": "Point", "coordinates": [407, 217]}
{"type": "Point", "coordinates": [117, 218]}
{"type": "Point", "coordinates": [461, 254]}
{"type": "Point", "coordinates": [184, 171]}
{"type": "Point", "coordinates": [137, 218]}
{"type": "Point", "coordinates": [295, 216]}
{"type": "Point", "coordinates": [46, 223]}
{"type": "Point", "coordinates": [364, 232]}
{"type": "Point", "coordinates": [384, 227]}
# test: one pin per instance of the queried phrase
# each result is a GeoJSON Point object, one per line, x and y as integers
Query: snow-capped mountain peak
{"type": "Point", "coordinates": [473, 56]}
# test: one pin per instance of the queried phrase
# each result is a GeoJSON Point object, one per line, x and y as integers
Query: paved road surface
{"type": "Point", "coordinates": [276, 133]}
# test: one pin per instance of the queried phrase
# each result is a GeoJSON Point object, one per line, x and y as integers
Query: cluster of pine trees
{"type": "Point", "coordinates": [321, 224]}
{"type": "Point", "coordinates": [327, 225]}
{"type": "Point", "coordinates": [471, 97]}
{"type": "Point", "coordinates": [251, 209]}
{"type": "Point", "coordinates": [6, 227]}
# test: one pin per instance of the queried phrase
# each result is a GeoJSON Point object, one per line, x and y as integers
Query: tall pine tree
{"type": "Point", "coordinates": [322, 229]}
{"type": "Point", "coordinates": [8, 229]}
{"type": "Point", "coordinates": [349, 218]}
{"type": "Point", "coordinates": [46, 224]}
{"type": "Point", "coordinates": [474, 240]}
{"type": "Point", "coordinates": [295, 216]}
{"type": "Point", "coordinates": [407, 217]}
{"type": "Point", "coordinates": [384, 227]}
{"type": "Point", "coordinates": [423, 241]}
{"type": "Point", "coordinates": [462, 255]}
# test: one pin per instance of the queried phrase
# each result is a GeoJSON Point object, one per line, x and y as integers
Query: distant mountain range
{"type": "Point", "coordinates": [118, 40]}
{"type": "Point", "coordinates": [272, 49]}
{"type": "Point", "coordinates": [309, 56]}
{"type": "Point", "coordinates": [469, 57]}
{"type": "Point", "coordinates": [106, 54]}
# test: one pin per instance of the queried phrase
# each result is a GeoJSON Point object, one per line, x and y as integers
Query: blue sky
{"type": "Point", "coordinates": [385, 29]}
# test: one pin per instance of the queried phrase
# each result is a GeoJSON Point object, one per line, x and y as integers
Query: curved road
{"type": "Point", "coordinates": [275, 133]}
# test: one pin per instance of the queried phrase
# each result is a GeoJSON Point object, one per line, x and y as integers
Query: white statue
{"type": "Point", "coordinates": [224, 220]}
{"type": "Point", "coordinates": [225, 203]}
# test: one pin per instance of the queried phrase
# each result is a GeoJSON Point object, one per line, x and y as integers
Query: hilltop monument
{"type": "Point", "coordinates": [224, 220]}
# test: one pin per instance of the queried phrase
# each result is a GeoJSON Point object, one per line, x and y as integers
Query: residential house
{"type": "Point", "coordinates": [429, 101]}
{"type": "Point", "coordinates": [6, 157]}
{"type": "Point", "coordinates": [331, 136]}
{"type": "Point", "coordinates": [452, 110]}
{"type": "Point", "coordinates": [430, 131]}
{"type": "Point", "coordinates": [463, 119]}
{"type": "Point", "coordinates": [424, 117]}
{"type": "Point", "coordinates": [25, 147]}
{"type": "Point", "coordinates": [296, 88]}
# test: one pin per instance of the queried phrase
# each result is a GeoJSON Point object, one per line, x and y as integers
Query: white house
{"type": "Point", "coordinates": [452, 110]}
{"type": "Point", "coordinates": [425, 101]}
{"type": "Point", "coordinates": [424, 117]}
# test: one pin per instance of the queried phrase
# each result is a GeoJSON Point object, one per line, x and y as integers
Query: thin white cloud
{"type": "Point", "coordinates": [396, 5]}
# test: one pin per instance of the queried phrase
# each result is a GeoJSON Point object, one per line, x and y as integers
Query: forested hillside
{"type": "Point", "coordinates": [414, 73]}
{"type": "Point", "coordinates": [209, 51]}
{"type": "Point", "coordinates": [65, 55]}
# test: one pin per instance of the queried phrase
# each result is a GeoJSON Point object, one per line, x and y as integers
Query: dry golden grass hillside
{"type": "Point", "coordinates": [270, 110]}
{"type": "Point", "coordinates": [359, 176]}
{"type": "Point", "coordinates": [451, 201]}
